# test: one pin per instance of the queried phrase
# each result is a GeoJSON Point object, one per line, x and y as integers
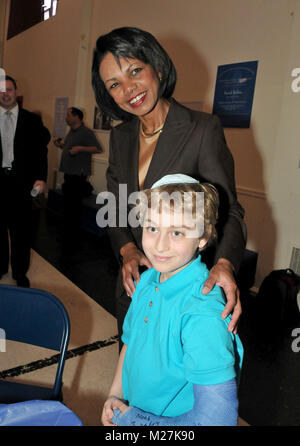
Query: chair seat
{"type": "Point", "coordinates": [12, 392]}
{"type": "Point", "coordinates": [37, 413]}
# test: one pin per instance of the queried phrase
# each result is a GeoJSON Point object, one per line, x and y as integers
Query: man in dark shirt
{"type": "Point", "coordinates": [77, 149]}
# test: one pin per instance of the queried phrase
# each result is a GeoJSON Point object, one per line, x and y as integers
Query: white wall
{"type": "Point", "coordinates": [284, 191]}
{"type": "Point", "coordinates": [54, 59]}
{"type": "Point", "coordinates": [43, 60]}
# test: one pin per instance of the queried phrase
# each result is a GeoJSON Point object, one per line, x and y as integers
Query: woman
{"type": "Point", "coordinates": [133, 80]}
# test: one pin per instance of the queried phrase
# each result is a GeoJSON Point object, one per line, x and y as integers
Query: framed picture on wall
{"type": "Point", "coordinates": [102, 122]}
{"type": "Point", "coordinates": [234, 93]}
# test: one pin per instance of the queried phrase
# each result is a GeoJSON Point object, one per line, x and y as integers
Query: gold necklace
{"type": "Point", "coordinates": [148, 135]}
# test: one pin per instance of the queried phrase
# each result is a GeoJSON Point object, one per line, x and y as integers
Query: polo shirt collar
{"type": "Point", "coordinates": [179, 281]}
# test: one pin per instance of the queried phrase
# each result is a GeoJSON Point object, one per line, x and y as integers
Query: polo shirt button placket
{"type": "Point", "coordinates": [150, 305]}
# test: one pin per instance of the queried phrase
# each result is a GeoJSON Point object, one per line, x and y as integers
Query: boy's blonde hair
{"type": "Point", "coordinates": [184, 196]}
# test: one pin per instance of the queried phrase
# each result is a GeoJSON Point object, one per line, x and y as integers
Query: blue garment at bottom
{"type": "Point", "coordinates": [37, 413]}
{"type": "Point", "coordinates": [214, 405]}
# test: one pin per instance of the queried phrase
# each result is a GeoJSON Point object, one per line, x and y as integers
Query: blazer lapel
{"type": "Point", "coordinates": [18, 133]}
{"type": "Point", "coordinates": [130, 157]}
{"type": "Point", "coordinates": [170, 144]}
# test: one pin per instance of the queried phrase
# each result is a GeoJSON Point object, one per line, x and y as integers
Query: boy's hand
{"type": "Point", "coordinates": [107, 412]}
{"type": "Point", "coordinates": [110, 404]}
{"type": "Point", "coordinates": [118, 404]}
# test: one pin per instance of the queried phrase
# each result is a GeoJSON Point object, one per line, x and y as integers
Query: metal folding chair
{"type": "Point", "coordinates": [38, 318]}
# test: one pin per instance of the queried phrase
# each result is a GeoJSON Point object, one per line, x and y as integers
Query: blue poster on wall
{"type": "Point", "coordinates": [234, 93]}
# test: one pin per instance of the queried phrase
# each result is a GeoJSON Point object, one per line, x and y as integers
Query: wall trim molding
{"type": "Point", "coordinates": [241, 190]}
{"type": "Point", "coordinates": [98, 160]}
{"type": "Point", "coordinates": [250, 192]}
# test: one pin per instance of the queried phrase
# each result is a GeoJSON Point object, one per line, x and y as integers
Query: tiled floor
{"type": "Point", "coordinates": [84, 280]}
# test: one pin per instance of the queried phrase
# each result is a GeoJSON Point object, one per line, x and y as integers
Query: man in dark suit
{"type": "Point", "coordinates": [23, 167]}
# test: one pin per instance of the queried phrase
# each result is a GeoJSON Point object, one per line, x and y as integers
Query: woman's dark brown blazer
{"type": "Point", "coordinates": [191, 143]}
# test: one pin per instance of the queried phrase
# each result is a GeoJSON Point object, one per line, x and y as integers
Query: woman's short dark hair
{"type": "Point", "coordinates": [131, 42]}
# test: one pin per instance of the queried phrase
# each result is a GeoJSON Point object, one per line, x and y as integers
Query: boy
{"type": "Point", "coordinates": [179, 363]}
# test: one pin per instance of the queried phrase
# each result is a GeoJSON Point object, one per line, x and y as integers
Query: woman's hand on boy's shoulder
{"type": "Point", "coordinates": [132, 259]}
{"type": "Point", "coordinates": [222, 274]}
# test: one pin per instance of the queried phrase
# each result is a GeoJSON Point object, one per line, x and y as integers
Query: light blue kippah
{"type": "Point", "coordinates": [174, 179]}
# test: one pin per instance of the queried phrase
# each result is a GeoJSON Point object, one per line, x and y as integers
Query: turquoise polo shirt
{"type": "Point", "coordinates": [175, 338]}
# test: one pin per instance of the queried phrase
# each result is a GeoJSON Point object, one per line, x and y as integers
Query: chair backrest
{"type": "Point", "coordinates": [35, 317]}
